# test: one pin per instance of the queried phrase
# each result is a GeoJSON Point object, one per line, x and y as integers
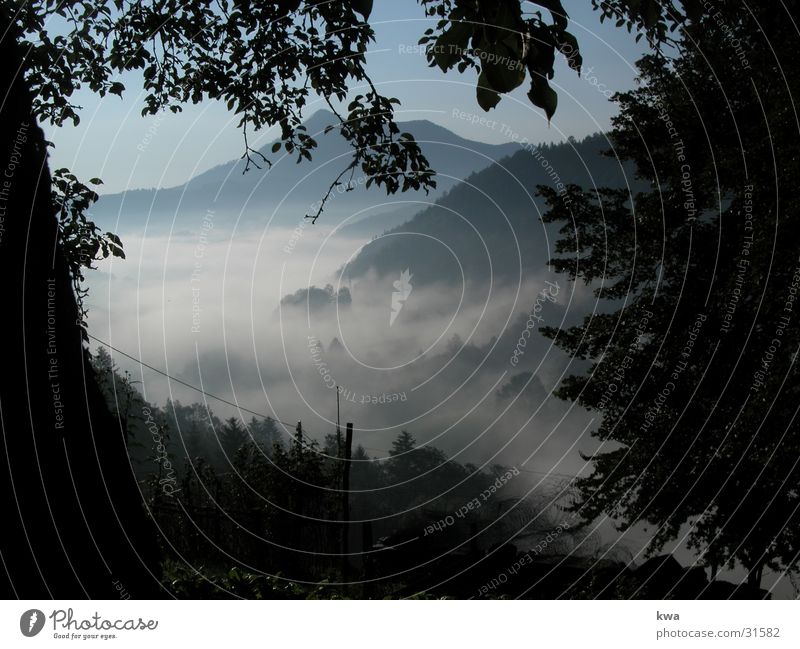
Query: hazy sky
{"type": "Point", "coordinates": [126, 150]}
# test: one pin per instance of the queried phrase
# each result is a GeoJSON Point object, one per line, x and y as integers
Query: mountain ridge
{"type": "Point", "coordinates": [283, 191]}
{"type": "Point", "coordinates": [489, 226]}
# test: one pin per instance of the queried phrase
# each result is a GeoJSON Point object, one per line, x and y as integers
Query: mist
{"type": "Point", "coordinates": [206, 307]}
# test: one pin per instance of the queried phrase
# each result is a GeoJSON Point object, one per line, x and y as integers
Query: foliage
{"type": "Point", "coordinates": [82, 241]}
{"type": "Point", "coordinates": [656, 19]}
{"type": "Point", "coordinates": [263, 60]}
{"type": "Point", "coordinates": [408, 461]}
{"type": "Point", "coordinates": [185, 583]}
{"type": "Point", "coordinates": [276, 506]}
{"type": "Point", "coordinates": [232, 436]}
{"type": "Point", "coordinates": [123, 399]}
{"type": "Point", "coordinates": [497, 39]}
{"type": "Point", "coordinates": [502, 41]}
{"type": "Point", "coordinates": [693, 356]}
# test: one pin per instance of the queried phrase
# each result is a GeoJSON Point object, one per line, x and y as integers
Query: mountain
{"type": "Point", "coordinates": [488, 227]}
{"type": "Point", "coordinates": [287, 191]}
{"type": "Point", "coordinates": [377, 223]}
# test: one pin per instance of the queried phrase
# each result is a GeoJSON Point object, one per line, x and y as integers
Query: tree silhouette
{"type": "Point", "coordinates": [408, 461]}
{"type": "Point", "coordinates": [123, 400]}
{"type": "Point", "coordinates": [232, 436]}
{"type": "Point", "coordinates": [694, 349]}
{"type": "Point", "coordinates": [73, 518]}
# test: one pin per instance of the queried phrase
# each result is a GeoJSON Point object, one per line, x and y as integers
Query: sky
{"type": "Point", "coordinates": [128, 151]}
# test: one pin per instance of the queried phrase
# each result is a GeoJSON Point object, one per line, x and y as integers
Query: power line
{"type": "Point", "coordinates": [189, 385]}
{"type": "Point", "coordinates": [261, 414]}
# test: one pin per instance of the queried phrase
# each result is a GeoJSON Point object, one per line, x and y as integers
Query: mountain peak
{"type": "Point", "coordinates": [319, 120]}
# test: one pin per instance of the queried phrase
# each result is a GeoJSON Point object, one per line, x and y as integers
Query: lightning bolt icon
{"type": "Point", "coordinates": [32, 621]}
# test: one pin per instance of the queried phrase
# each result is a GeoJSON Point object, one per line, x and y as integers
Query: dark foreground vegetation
{"type": "Point", "coordinates": [247, 509]}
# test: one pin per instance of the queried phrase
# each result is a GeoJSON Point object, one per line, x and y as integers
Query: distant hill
{"type": "Point", "coordinates": [287, 191]}
{"type": "Point", "coordinates": [489, 226]}
{"type": "Point", "coordinates": [378, 222]}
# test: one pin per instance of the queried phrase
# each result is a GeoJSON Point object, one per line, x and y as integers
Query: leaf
{"type": "Point", "coordinates": [556, 10]}
{"type": "Point", "coordinates": [487, 98]}
{"type": "Point", "coordinates": [364, 7]}
{"type": "Point", "coordinates": [288, 6]}
{"type": "Point", "coordinates": [114, 238]}
{"type": "Point", "coordinates": [569, 48]}
{"type": "Point", "coordinates": [451, 45]}
{"type": "Point", "coordinates": [503, 69]}
{"type": "Point", "coordinates": [541, 56]}
{"type": "Point", "coordinates": [543, 96]}
{"type": "Point", "coordinates": [693, 9]}
{"type": "Point", "coordinates": [276, 147]}
{"type": "Point", "coordinates": [651, 13]}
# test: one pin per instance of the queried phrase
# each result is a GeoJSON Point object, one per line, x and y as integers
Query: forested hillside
{"type": "Point", "coordinates": [488, 225]}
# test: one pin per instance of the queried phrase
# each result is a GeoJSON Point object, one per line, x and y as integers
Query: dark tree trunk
{"type": "Point", "coordinates": [73, 524]}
